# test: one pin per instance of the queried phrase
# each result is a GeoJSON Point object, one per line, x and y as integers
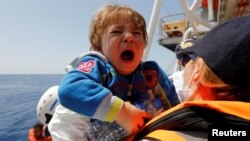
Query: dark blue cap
{"type": "Point", "coordinates": [226, 51]}
{"type": "Point", "coordinates": [184, 51]}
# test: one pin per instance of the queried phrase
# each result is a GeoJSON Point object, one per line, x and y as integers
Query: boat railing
{"type": "Point", "coordinates": [175, 27]}
{"type": "Point", "coordinates": [172, 25]}
{"type": "Point", "coordinates": [171, 29]}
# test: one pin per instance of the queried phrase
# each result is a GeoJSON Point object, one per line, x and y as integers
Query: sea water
{"type": "Point", "coordinates": [19, 95]}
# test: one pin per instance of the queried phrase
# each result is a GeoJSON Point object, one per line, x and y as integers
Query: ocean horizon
{"type": "Point", "coordinates": [19, 95]}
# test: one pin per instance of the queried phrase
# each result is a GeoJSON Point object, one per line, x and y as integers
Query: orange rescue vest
{"type": "Point", "coordinates": [32, 137]}
{"type": "Point", "coordinates": [192, 120]}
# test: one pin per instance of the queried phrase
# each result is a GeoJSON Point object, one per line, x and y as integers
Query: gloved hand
{"type": "Point", "coordinates": [132, 118]}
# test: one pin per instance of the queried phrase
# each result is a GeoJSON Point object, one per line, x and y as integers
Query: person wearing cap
{"type": "Point", "coordinates": [218, 85]}
{"type": "Point", "coordinates": [184, 55]}
{"type": "Point", "coordinates": [220, 66]}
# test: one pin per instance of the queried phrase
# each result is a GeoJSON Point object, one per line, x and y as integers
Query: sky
{"type": "Point", "coordinates": [43, 36]}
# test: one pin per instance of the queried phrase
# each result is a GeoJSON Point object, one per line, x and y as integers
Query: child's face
{"type": "Point", "coordinates": [123, 45]}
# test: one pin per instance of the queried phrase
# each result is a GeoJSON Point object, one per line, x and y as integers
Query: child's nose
{"type": "Point", "coordinates": [128, 37]}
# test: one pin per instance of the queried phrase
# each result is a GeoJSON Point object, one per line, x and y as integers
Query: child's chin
{"type": "Point", "coordinates": [126, 71]}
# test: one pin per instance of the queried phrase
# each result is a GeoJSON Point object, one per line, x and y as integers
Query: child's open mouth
{"type": "Point", "coordinates": [127, 55]}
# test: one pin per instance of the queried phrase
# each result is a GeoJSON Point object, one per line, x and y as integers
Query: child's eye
{"type": "Point", "coordinates": [115, 31]}
{"type": "Point", "coordinates": [137, 33]}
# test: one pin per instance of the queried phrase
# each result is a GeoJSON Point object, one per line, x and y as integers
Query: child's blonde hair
{"type": "Point", "coordinates": [106, 16]}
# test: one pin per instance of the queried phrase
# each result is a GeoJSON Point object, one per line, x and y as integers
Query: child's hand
{"type": "Point", "coordinates": [131, 118]}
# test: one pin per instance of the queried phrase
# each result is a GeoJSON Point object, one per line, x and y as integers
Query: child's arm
{"type": "Point", "coordinates": [131, 118]}
{"type": "Point", "coordinates": [81, 91]}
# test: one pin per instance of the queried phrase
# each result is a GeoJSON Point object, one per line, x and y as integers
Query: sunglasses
{"type": "Point", "coordinates": [184, 59]}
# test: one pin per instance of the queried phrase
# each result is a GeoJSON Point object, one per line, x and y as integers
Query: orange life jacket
{"type": "Point", "coordinates": [32, 137]}
{"type": "Point", "coordinates": [191, 120]}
